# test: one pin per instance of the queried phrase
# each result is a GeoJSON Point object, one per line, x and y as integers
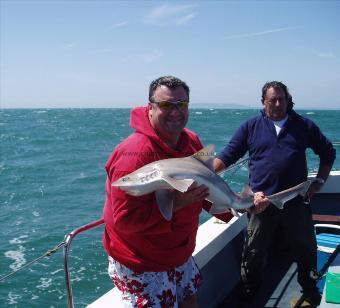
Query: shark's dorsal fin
{"type": "Point", "coordinates": [206, 156]}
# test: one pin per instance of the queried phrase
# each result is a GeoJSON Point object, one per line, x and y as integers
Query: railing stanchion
{"type": "Point", "coordinates": [68, 240]}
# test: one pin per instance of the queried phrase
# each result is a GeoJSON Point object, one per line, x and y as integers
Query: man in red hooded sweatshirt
{"type": "Point", "coordinates": [150, 258]}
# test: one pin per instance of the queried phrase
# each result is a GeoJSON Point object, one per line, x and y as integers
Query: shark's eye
{"type": "Point", "coordinates": [125, 179]}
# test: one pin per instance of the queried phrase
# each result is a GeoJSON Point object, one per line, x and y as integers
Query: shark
{"type": "Point", "coordinates": [164, 176]}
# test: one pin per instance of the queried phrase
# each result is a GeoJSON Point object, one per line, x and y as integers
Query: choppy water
{"type": "Point", "coordinates": [52, 181]}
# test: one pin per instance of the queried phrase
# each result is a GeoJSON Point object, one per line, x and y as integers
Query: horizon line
{"type": "Point", "coordinates": [193, 106]}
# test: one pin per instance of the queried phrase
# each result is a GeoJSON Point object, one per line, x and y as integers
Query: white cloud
{"type": "Point", "coordinates": [69, 45]}
{"type": "Point", "coordinates": [185, 19]}
{"type": "Point", "coordinates": [153, 56]}
{"type": "Point", "coordinates": [105, 50]}
{"type": "Point", "coordinates": [322, 54]}
{"type": "Point", "coordinates": [252, 34]}
{"type": "Point", "coordinates": [327, 55]}
{"type": "Point", "coordinates": [171, 14]}
{"type": "Point", "coordinates": [118, 25]}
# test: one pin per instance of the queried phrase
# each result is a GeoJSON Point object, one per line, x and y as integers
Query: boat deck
{"type": "Point", "coordinates": [280, 287]}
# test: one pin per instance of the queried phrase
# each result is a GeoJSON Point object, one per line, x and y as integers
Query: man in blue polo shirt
{"type": "Point", "coordinates": [277, 140]}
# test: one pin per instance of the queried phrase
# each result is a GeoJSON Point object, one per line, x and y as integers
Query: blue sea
{"type": "Point", "coordinates": [52, 181]}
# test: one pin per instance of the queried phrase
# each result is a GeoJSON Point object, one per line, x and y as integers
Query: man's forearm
{"type": "Point", "coordinates": [219, 165]}
{"type": "Point", "coordinates": [324, 171]}
{"type": "Point", "coordinates": [322, 174]}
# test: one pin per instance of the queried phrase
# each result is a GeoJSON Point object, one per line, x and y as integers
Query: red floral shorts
{"type": "Point", "coordinates": [155, 289]}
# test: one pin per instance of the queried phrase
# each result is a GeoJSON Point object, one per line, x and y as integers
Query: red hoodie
{"type": "Point", "coordinates": [136, 234]}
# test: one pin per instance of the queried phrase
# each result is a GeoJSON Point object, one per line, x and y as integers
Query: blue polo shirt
{"type": "Point", "coordinates": [277, 162]}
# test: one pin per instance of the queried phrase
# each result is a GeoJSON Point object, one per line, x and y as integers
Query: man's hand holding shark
{"type": "Point", "coordinates": [261, 202]}
{"type": "Point", "coordinates": [195, 193]}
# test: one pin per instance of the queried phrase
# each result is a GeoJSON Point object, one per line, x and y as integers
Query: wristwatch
{"type": "Point", "coordinates": [319, 181]}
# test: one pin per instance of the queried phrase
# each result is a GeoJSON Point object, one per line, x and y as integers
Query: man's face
{"type": "Point", "coordinates": [275, 104]}
{"type": "Point", "coordinates": [169, 122]}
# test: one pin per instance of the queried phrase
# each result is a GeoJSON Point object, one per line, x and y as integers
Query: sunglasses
{"type": "Point", "coordinates": [182, 104]}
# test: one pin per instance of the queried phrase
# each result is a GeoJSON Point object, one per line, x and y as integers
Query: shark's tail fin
{"type": "Point", "coordinates": [279, 199]}
{"type": "Point", "coordinates": [278, 203]}
{"type": "Point", "coordinates": [304, 191]}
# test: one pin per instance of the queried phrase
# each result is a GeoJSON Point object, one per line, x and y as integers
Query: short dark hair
{"type": "Point", "coordinates": [279, 85]}
{"type": "Point", "coordinates": [169, 81]}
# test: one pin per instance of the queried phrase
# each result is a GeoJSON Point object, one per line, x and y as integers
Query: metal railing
{"type": "Point", "coordinates": [68, 240]}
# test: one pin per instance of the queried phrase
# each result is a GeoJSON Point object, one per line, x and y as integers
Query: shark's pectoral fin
{"type": "Point", "coordinates": [218, 209]}
{"type": "Point", "coordinates": [180, 185]}
{"type": "Point", "coordinates": [165, 201]}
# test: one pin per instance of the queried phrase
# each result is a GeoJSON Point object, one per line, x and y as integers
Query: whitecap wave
{"type": "Point", "coordinates": [19, 222]}
{"type": "Point", "coordinates": [44, 283]}
{"type": "Point", "coordinates": [82, 268]}
{"type": "Point", "coordinates": [18, 256]}
{"type": "Point", "coordinates": [12, 298]}
{"type": "Point", "coordinates": [18, 240]}
{"type": "Point", "coordinates": [36, 213]}
{"type": "Point", "coordinates": [57, 271]}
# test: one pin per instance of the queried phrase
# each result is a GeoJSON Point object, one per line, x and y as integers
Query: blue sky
{"type": "Point", "coordinates": [105, 53]}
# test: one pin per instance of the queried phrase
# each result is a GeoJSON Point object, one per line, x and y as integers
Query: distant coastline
{"type": "Point", "coordinates": [192, 106]}
{"type": "Point", "coordinates": [238, 106]}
